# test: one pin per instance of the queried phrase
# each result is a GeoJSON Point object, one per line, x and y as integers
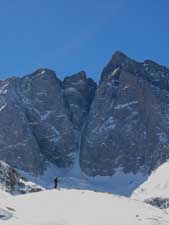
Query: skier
{"type": "Point", "coordinates": [55, 182]}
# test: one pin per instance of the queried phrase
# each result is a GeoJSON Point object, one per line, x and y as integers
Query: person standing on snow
{"type": "Point", "coordinates": [55, 182]}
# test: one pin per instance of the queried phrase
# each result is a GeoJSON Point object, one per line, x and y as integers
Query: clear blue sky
{"type": "Point", "coordinates": [73, 35]}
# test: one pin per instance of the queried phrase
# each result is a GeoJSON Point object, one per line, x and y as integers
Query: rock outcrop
{"type": "Point", "coordinates": [12, 182]}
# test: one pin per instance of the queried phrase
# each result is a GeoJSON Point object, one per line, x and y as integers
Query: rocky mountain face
{"type": "Point", "coordinates": [79, 92]}
{"type": "Point", "coordinates": [128, 122]}
{"type": "Point", "coordinates": [123, 122]}
{"type": "Point", "coordinates": [40, 118]}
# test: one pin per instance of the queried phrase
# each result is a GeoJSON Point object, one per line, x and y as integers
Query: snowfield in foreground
{"type": "Point", "coordinates": [77, 207]}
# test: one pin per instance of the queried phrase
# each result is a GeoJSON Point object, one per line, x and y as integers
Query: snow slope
{"type": "Point", "coordinates": [5, 198]}
{"type": "Point", "coordinates": [77, 207]}
{"type": "Point", "coordinates": [156, 186]}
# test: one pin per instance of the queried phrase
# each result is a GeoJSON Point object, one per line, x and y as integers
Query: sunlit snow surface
{"type": "Point", "coordinates": [120, 183]}
{"type": "Point", "coordinates": [156, 186]}
{"type": "Point", "coordinates": [77, 207]}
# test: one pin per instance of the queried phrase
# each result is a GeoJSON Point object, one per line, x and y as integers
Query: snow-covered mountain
{"type": "Point", "coordinates": [117, 127]}
{"type": "Point", "coordinates": [104, 138]}
{"type": "Point", "coordinates": [74, 207]}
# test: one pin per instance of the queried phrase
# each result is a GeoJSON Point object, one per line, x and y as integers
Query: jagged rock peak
{"type": "Point", "coordinates": [43, 73]}
{"type": "Point", "coordinates": [119, 55]}
{"type": "Point", "coordinates": [75, 77]}
{"type": "Point", "coordinates": [148, 70]}
{"type": "Point", "coordinates": [154, 65]}
{"type": "Point", "coordinates": [118, 60]}
{"type": "Point", "coordinates": [79, 79]}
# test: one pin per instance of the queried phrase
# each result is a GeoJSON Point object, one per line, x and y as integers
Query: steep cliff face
{"type": "Point", "coordinates": [46, 111]}
{"type": "Point", "coordinates": [128, 124]}
{"type": "Point", "coordinates": [17, 144]}
{"type": "Point", "coordinates": [79, 93]}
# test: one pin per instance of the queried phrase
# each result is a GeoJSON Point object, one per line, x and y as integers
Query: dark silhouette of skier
{"type": "Point", "coordinates": [55, 182]}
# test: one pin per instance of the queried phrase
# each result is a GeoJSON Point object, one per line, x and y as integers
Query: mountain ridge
{"type": "Point", "coordinates": [42, 119]}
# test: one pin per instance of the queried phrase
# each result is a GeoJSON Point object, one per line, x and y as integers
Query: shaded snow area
{"type": "Point", "coordinates": [155, 189]}
{"type": "Point", "coordinates": [120, 183]}
{"type": "Point", "coordinates": [77, 207]}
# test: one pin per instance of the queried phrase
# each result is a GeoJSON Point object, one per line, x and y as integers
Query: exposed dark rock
{"type": "Point", "coordinates": [79, 93]}
{"type": "Point", "coordinates": [17, 144]}
{"type": "Point", "coordinates": [128, 122]}
{"type": "Point", "coordinates": [42, 97]}
{"type": "Point", "coordinates": [162, 203]}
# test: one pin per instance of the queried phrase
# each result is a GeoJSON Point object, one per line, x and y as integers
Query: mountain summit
{"type": "Point", "coordinates": [120, 124]}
